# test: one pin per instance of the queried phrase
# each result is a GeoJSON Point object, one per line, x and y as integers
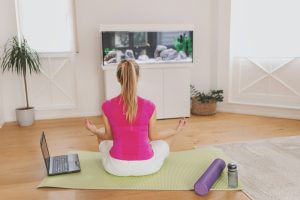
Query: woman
{"type": "Point", "coordinates": [129, 122]}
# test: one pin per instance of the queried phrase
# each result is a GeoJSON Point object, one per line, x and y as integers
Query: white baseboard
{"type": "Point", "coordinates": [260, 111]}
{"type": "Point", "coordinates": [41, 115]}
{"type": "Point", "coordinates": [66, 115]}
{"type": "Point", "coordinates": [230, 108]}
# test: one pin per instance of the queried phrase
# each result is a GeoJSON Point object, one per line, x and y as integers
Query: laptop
{"type": "Point", "coordinates": [63, 164]}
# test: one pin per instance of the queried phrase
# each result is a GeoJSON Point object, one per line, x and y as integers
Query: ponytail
{"type": "Point", "coordinates": [127, 74]}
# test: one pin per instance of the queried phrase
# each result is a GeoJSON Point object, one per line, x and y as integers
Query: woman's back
{"type": "Point", "coordinates": [124, 145]}
{"type": "Point", "coordinates": [130, 140]}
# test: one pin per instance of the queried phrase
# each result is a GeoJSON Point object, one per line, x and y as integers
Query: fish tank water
{"type": "Point", "coordinates": [147, 47]}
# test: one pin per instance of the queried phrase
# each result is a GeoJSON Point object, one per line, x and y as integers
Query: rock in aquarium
{"type": "Point", "coordinates": [129, 54]}
{"type": "Point", "coordinates": [110, 55]}
{"type": "Point", "coordinates": [112, 60]}
{"type": "Point", "coordinates": [181, 55]}
{"type": "Point", "coordinates": [169, 54]}
{"type": "Point", "coordinates": [143, 57]}
{"type": "Point", "coordinates": [158, 50]}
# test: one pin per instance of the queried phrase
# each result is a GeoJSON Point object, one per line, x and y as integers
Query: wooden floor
{"type": "Point", "coordinates": [22, 167]}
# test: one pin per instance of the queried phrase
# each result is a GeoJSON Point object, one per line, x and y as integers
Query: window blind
{"type": "Point", "coordinates": [47, 25]}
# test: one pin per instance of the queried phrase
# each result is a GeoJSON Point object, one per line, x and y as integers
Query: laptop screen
{"type": "Point", "coordinates": [45, 151]}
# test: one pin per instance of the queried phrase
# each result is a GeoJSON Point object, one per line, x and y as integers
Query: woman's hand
{"type": "Point", "coordinates": [90, 126]}
{"type": "Point", "coordinates": [181, 125]}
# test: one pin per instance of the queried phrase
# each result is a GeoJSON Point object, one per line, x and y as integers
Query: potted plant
{"type": "Point", "coordinates": [205, 103]}
{"type": "Point", "coordinates": [19, 58]}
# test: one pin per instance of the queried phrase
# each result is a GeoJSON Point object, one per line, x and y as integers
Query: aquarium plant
{"type": "Point", "coordinates": [184, 43]}
{"type": "Point", "coordinates": [107, 50]}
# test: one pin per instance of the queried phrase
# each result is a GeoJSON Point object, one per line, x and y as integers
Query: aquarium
{"type": "Point", "coordinates": [147, 47]}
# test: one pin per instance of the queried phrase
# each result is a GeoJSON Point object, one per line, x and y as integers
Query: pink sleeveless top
{"type": "Point", "coordinates": [130, 141]}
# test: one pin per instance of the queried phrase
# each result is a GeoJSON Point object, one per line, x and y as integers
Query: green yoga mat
{"type": "Point", "coordinates": [179, 172]}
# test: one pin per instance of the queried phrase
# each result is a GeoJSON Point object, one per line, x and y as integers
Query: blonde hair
{"type": "Point", "coordinates": [127, 74]}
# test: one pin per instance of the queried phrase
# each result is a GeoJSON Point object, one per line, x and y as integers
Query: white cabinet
{"type": "Point", "coordinates": [176, 95]}
{"type": "Point", "coordinates": [150, 87]}
{"type": "Point", "coordinates": [168, 88]}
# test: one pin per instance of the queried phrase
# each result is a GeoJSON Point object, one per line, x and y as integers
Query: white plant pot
{"type": "Point", "coordinates": [25, 116]}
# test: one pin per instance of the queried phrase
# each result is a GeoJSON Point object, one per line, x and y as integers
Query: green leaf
{"type": "Point", "coordinates": [212, 95]}
{"type": "Point", "coordinates": [19, 58]}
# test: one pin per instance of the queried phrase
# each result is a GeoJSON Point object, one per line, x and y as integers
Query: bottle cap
{"type": "Point", "coordinates": [232, 166]}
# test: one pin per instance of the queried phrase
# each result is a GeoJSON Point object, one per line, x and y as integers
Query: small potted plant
{"type": "Point", "coordinates": [19, 58]}
{"type": "Point", "coordinates": [205, 103]}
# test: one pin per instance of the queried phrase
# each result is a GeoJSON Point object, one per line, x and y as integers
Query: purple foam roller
{"type": "Point", "coordinates": [204, 183]}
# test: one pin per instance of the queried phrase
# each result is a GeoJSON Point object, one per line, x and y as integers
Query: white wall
{"type": "Point", "coordinates": [82, 79]}
{"type": "Point", "coordinates": [1, 104]}
{"type": "Point", "coordinates": [86, 74]}
{"type": "Point", "coordinates": [221, 50]}
{"type": "Point", "coordinates": [8, 28]}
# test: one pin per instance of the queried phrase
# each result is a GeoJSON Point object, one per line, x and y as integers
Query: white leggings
{"type": "Point", "coordinates": [134, 168]}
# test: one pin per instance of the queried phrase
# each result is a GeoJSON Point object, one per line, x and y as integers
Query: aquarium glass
{"type": "Point", "coordinates": [147, 47]}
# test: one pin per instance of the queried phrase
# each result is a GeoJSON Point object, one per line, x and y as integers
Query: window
{"type": "Point", "coordinates": [47, 25]}
{"type": "Point", "coordinates": [265, 28]}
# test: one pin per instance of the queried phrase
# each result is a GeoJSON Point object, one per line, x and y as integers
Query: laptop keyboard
{"type": "Point", "coordinates": [60, 164]}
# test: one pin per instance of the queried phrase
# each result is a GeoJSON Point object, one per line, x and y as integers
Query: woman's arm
{"type": "Point", "coordinates": [155, 135]}
{"type": "Point", "coordinates": [102, 134]}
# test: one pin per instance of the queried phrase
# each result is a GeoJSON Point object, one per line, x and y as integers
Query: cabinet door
{"type": "Point", "coordinates": [176, 92]}
{"type": "Point", "coordinates": [150, 86]}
